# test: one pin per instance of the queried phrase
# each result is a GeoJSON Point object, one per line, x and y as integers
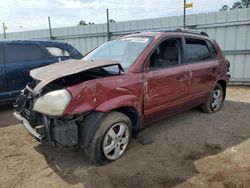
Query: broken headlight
{"type": "Point", "coordinates": [53, 103]}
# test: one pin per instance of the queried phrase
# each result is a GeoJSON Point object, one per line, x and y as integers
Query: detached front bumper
{"type": "Point", "coordinates": [28, 126]}
{"type": "Point", "coordinates": [53, 131]}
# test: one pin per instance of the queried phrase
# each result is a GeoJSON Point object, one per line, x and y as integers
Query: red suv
{"type": "Point", "coordinates": [100, 102]}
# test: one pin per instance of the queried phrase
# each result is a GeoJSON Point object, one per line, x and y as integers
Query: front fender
{"type": "Point", "coordinates": [117, 102]}
{"type": "Point", "coordinates": [88, 128]}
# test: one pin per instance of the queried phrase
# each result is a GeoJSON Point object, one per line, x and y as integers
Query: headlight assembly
{"type": "Point", "coordinates": [53, 103]}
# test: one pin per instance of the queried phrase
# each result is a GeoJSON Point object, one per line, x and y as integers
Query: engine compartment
{"type": "Point", "coordinates": [77, 78]}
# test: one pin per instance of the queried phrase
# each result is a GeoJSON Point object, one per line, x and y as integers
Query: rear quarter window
{"type": "Point", "coordinates": [211, 48]}
{"type": "Point", "coordinates": [197, 50]}
{"type": "Point", "coordinates": [23, 52]}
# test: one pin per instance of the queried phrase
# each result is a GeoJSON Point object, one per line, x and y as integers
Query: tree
{"type": "Point", "coordinates": [224, 8]}
{"type": "Point", "coordinates": [82, 22]}
{"type": "Point", "coordinates": [246, 3]}
{"type": "Point", "coordinates": [112, 21]}
{"type": "Point", "coordinates": [237, 5]}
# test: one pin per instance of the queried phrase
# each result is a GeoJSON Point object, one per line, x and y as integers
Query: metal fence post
{"type": "Point", "coordinates": [184, 14]}
{"type": "Point", "coordinates": [50, 32]}
{"type": "Point", "coordinates": [4, 31]}
{"type": "Point", "coordinates": [108, 31]}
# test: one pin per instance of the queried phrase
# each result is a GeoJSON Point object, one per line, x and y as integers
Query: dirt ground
{"type": "Point", "coordinates": [191, 149]}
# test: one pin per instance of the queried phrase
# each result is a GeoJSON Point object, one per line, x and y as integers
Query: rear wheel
{"type": "Point", "coordinates": [111, 138]}
{"type": "Point", "coordinates": [215, 100]}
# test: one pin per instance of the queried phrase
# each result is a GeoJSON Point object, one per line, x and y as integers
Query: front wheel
{"type": "Point", "coordinates": [215, 100]}
{"type": "Point", "coordinates": [111, 138]}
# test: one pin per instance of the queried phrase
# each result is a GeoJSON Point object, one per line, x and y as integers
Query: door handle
{"type": "Point", "coordinates": [180, 77]}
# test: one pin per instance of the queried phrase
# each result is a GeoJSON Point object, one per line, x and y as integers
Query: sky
{"type": "Point", "coordinates": [23, 15]}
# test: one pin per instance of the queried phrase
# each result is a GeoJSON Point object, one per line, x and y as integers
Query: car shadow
{"type": "Point", "coordinates": [65, 162]}
{"type": "Point", "coordinates": [164, 153]}
{"type": "Point", "coordinates": [6, 117]}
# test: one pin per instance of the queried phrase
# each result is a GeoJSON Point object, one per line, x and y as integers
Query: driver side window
{"type": "Point", "coordinates": [167, 54]}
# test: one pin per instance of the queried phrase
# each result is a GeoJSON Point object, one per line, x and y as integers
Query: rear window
{"type": "Point", "coordinates": [57, 52]}
{"type": "Point", "coordinates": [23, 52]}
{"type": "Point", "coordinates": [197, 50]}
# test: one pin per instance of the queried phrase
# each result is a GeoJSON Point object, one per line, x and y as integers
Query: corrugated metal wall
{"type": "Point", "coordinates": [231, 29]}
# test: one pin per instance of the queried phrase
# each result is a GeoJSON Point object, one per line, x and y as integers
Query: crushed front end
{"type": "Point", "coordinates": [42, 105]}
{"type": "Point", "coordinates": [54, 130]}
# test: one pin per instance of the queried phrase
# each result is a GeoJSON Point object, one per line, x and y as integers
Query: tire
{"type": "Point", "coordinates": [210, 106]}
{"type": "Point", "coordinates": [113, 121]}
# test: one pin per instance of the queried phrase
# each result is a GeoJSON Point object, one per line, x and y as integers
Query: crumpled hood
{"type": "Point", "coordinates": [54, 71]}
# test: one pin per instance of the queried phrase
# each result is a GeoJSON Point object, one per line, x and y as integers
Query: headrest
{"type": "Point", "coordinates": [171, 52]}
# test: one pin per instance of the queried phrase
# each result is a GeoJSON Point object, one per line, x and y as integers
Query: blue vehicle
{"type": "Point", "coordinates": [18, 57]}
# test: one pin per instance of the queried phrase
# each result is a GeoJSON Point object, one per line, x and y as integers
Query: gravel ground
{"type": "Point", "coordinates": [191, 149]}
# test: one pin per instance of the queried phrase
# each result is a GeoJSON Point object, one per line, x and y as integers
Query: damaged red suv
{"type": "Point", "coordinates": [100, 102]}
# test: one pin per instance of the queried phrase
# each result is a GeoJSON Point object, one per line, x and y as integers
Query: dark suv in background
{"type": "Point", "coordinates": [18, 57]}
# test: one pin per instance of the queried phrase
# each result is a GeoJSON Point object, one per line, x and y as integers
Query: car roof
{"type": "Point", "coordinates": [191, 33]}
{"type": "Point", "coordinates": [31, 41]}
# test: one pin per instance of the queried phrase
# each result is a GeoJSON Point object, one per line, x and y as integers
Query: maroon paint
{"type": "Point", "coordinates": [154, 94]}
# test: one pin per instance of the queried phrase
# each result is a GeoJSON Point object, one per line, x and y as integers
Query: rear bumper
{"type": "Point", "coordinates": [228, 77]}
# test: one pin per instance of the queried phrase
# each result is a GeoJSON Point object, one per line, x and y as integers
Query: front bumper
{"type": "Point", "coordinates": [50, 130]}
{"type": "Point", "coordinates": [28, 126]}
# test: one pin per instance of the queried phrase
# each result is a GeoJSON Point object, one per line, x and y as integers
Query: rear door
{"type": "Point", "coordinates": [166, 81]}
{"type": "Point", "coordinates": [3, 82]}
{"type": "Point", "coordinates": [203, 65]}
{"type": "Point", "coordinates": [20, 58]}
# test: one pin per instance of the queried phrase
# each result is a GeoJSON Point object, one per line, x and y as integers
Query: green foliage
{"type": "Point", "coordinates": [112, 21]}
{"type": "Point", "coordinates": [237, 5]}
{"type": "Point", "coordinates": [82, 22]}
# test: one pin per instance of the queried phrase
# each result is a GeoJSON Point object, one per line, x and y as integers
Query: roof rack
{"type": "Point", "coordinates": [192, 31]}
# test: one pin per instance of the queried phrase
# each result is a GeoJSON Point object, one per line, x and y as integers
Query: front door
{"type": "Point", "coordinates": [166, 82]}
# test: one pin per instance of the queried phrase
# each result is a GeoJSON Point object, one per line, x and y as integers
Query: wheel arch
{"type": "Point", "coordinates": [92, 121]}
{"type": "Point", "coordinates": [223, 84]}
{"type": "Point", "coordinates": [130, 105]}
{"type": "Point", "coordinates": [134, 117]}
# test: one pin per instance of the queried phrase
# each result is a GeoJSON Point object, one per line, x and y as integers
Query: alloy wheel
{"type": "Point", "coordinates": [217, 99]}
{"type": "Point", "coordinates": [116, 141]}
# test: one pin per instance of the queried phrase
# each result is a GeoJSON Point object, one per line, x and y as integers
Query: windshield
{"type": "Point", "coordinates": [125, 50]}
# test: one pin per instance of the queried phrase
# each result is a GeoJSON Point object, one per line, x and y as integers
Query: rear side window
{"type": "Point", "coordinates": [197, 50]}
{"type": "Point", "coordinates": [23, 52]}
{"type": "Point", "coordinates": [211, 48]}
{"type": "Point", "coordinates": [57, 52]}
